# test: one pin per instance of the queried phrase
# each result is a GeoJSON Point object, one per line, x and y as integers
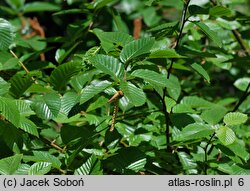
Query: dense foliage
{"type": "Point", "coordinates": [124, 87]}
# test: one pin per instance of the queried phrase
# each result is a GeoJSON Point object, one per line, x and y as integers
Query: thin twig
{"type": "Point", "coordinates": [183, 21]}
{"type": "Point", "coordinates": [164, 106]}
{"type": "Point", "coordinates": [241, 41]}
{"type": "Point", "coordinates": [22, 65]}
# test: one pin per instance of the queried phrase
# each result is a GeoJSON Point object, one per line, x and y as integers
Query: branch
{"type": "Point", "coordinates": [164, 107]}
{"type": "Point", "coordinates": [183, 21]}
{"type": "Point", "coordinates": [22, 65]}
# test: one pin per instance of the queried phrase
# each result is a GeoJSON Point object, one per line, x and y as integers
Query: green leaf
{"type": "Point", "coordinates": [168, 53]}
{"type": "Point", "coordinates": [170, 103]}
{"type": "Point", "coordinates": [47, 106]}
{"type": "Point", "coordinates": [69, 99]}
{"type": "Point", "coordinates": [226, 135]}
{"type": "Point", "coordinates": [9, 165]}
{"type": "Point", "coordinates": [109, 65]}
{"type": "Point", "coordinates": [214, 114]}
{"type": "Point", "coordinates": [152, 77]}
{"type": "Point", "coordinates": [210, 33]}
{"type": "Point", "coordinates": [40, 6]}
{"type": "Point", "coordinates": [173, 87]}
{"type": "Point", "coordinates": [183, 108]}
{"type": "Point", "coordinates": [24, 107]}
{"type": "Point", "coordinates": [9, 110]}
{"type": "Point", "coordinates": [127, 160]}
{"type": "Point", "coordinates": [196, 102]}
{"type": "Point", "coordinates": [43, 156]}
{"type": "Point", "coordinates": [239, 149]}
{"type": "Point", "coordinates": [23, 169]}
{"type": "Point", "coordinates": [242, 83]}
{"type": "Point", "coordinates": [150, 16]}
{"type": "Point", "coordinates": [188, 164]}
{"type": "Point", "coordinates": [235, 118]}
{"type": "Point", "coordinates": [15, 4]}
{"type": "Point", "coordinates": [111, 40]}
{"type": "Point", "coordinates": [19, 84]}
{"type": "Point", "coordinates": [194, 131]}
{"type": "Point", "coordinates": [10, 135]}
{"type": "Point", "coordinates": [101, 101]}
{"type": "Point", "coordinates": [164, 27]}
{"type": "Point", "coordinates": [91, 167]}
{"type": "Point", "coordinates": [72, 133]}
{"type": "Point", "coordinates": [93, 89]}
{"type": "Point", "coordinates": [195, 10]}
{"type": "Point", "coordinates": [135, 95]}
{"type": "Point", "coordinates": [136, 48]}
{"type": "Point", "coordinates": [233, 169]}
{"type": "Point", "coordinates": [28, 126]}
{"type": "Point", "coordinates": [4, 87]}
{"type": "Point", "coordinates": [219, 11]}
{"type": "Point", "coordinates": [201, 71]}
{"type": "Point", "coordinates": [40, 168]}
{"type": "Point", "coordinates": [7, 34]}
{"type": "Point", "coordinates": [62, 74]}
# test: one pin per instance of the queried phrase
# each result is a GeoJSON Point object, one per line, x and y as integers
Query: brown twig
{"type": "Point", "coordinates": [243, 45]}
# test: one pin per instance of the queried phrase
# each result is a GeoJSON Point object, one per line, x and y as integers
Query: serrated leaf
{"type": "Point", "coordinates": [170, 103]}
{"type": "Point", "coordinates": [24, 108]}
{"type": "Point", "coordinates": [43, 156]}
{"type": "Point", "coordinates": [170, 53]}
{"type": "Point", "coordinates": [233, 169]}
{"type": "Point", "coordinates": [40, 168]}
{"type": "Point", "coordinates": [152, 77]}
{"type": "Point", "coordinates": [194, 131]}
{"type": "Point", "coordinates": [10, 135]}
{"type": "Point", "coordinates": [210, 33]}
{"type": "Point", "coordinates": [127, 160]}
{"type": "Point", "coordinates": [62, 74]}
{"type": "Point", "coordinates": [101, 101]}
{"type": "Point", "coordinates": [69, 99]}
{"type": "Point", "coordinates": [165, 26]}
{"type": "Point", "coordinates": [136, 48]}
{"type": "Point", "coordinates": [19, 84]}
{"type": "Point", "coordinates": [235, 118]}
{"type": "Point", "coordinates": [214, 114]}
{"type": "Point", "coordinates": [226, 135]}
{"type": "Point", "coordinates": [4, 87]}
{"type": "Point", "coordinates": [93, 89]}
{"type": "Point", "coordinates": [111, 40]}
{"type": "Point", "coordinates": [109, 65]}
{"type": "Point", "coordinates": [183, 108]}
{"type": "Point", "coordinates": [91, 167]}
{"type": "Point", "coordinates": [188, 164]}
{"type": "Point", "coordinates": [242, 83]}
{"type": "Point", "coordinates": [135, 95]}
{"type": "Point", "coordinates": [239, 149]}
{"type": "Point", "coordinates": [201, 71]}
{"type": "Point", "coordinates": [7, 34]}
{"type": "Point", "coordinates": [173, 87]}
{"type": "Point", "coordinates": [9, 165]}
{"type": "Point", "coordinates": [219, 11]}
{"type": "Point", "coordinates": [9, 110]}
{"type": "Point", "coordinates": [28, 126]}
{"type": "Point", "coordinates": [196, 102]}
{"type": "Point", "coordinates": [23, 169]}
{"type": "Point", "coordinates": [40, 6]}
{"type": "Point", "coordinates": [47, 106]}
